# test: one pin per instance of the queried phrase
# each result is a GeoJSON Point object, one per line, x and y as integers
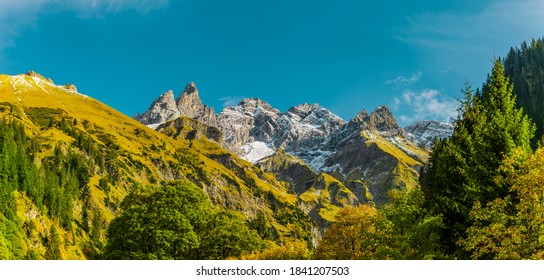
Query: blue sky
{"type": "Point", "coordinates": [412, 56]}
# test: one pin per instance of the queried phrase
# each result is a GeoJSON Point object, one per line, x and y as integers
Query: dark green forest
{"type": "Point", "coordinates": [525, 68]}
{"type": "Point", "coordinates": [53, 185]}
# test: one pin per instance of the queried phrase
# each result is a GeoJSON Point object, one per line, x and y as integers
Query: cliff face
{"type": "Point", "coordinates": [187, 104]}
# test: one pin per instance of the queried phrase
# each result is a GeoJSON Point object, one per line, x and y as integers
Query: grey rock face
{"type": "Point", "coordinates": [382, 120]}
{"type": "Point", "coordinates": [424, 132]}
{"type": "Point", "coordinates": [161, 110]}
{"type": "Point", "coordinates": [250, 121]}
{"type": "Point", "coordinates": [301, 131]}
{"type": "Point", "coordinates": [70, 87]}
{"type": "Point", "coordinates": [187, 104]}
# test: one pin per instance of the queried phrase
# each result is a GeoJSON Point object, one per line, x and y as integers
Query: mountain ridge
{"type": "Point", "coordinates": [254, 130]}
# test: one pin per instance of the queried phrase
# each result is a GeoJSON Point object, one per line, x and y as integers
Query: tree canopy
{"type": "Point", "coordinates": [462, 168]}
{"type": "Point", "coordinates": [176, 221]}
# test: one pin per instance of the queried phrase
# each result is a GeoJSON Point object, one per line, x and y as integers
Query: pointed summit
{"type": "Point", "coordinates": [189, 103]}
{"type": "Point", "coordinates": [383, 121]}
{"type": "Point", "coordinates": [304, 109]}
{"type": "Point", "coordinates": [161, 110]}
{"type": "Point", "coordinates": [360, 117]}
{"type": "Point", "coordinates": [252, 104]}
{"type": "Point", "coordinates": [34, 74]}
{"type": "Point", "coordinates": [190, 88]}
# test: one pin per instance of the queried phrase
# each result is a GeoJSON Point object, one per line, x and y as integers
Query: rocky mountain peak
{"type": "Point", "coordinates": [304, 109]}
{"type": "Point", "coordinates": [360, 117]}
{"type": "Point", "coordinates": [70, 87]}
{"type": "Point", "coordinates": [188, 102]}
{"type": "Point", "coordinates": [425, 132]}
{"type": "Point", "coordinates": [254, 103]}
{"type": "Point", "coordinates": [382, 120]}
{"type": "Point", "coordinates": [161, 110]}
{"type": "Point", "coordinates": [190, 88]}
{"type": "Point", "coordinates": [32, 73]}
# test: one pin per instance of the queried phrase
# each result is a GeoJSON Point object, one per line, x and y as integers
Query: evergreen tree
{"type": "Point", "coordinates": [525, 68]}
{"type": "Point", "coordinates": [53, 245]}
{"type": "Point", "coordinates": [463, 167]}
{"type": "Point", "coordinates": [511, 227]}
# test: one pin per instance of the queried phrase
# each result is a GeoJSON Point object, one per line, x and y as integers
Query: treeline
{"type": "Point", "coordinates": [481, 196]}
{"type": "Point", "coordinates": [53, 184]}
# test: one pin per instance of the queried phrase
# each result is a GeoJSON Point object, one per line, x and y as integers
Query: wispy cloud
{"type": "Point", "coordinates": [231, 100]}
{"type": "Point", "coordinates": [87, 7]}
{"type": "Point", "coordinates": [428, 104]}
{"type": "Point", "coordinates": [16, 15]}
{"type": "Point", "coordinates": [402, 81]}
{"type": "Point", "coordinates": [469, 40]}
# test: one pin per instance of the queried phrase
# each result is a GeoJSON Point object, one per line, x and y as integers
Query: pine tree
{"type": "Point", "coordinates": [53, 245]}
{"type": "Point", "coordinates": [525, 68]}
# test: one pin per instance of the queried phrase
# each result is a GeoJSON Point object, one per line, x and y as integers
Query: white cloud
{"type": "Point", "coordinates": [231, 100]}
{"type": "Point", "coordinates": [428, 104]}
{"type": "Point", "coordinates": [16, 15]}
{"type": "Point", "coordinates": [495, 22]}
{"type": "Point", "coordinates": [468, 41]}
{"type": "Point", "coordinates": [83, 7]}
{"type": "Point", "coordinates": [404, 81]}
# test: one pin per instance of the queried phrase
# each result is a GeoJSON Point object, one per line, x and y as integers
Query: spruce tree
{"type": "Point", "coordinates": [462, 168]}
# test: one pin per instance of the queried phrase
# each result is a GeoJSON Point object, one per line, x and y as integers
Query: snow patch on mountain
{"type": "Point", "coordinates": [255, 151]}
{"type": "Point", "coordinates": [424, 132]}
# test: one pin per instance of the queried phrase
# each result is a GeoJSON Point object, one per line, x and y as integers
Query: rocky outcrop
{"type": "Point", "coordinates": [190, 105]}
{"type": "Point", "coordinates": [424, 132]}
{"type": "Point", "coordinates": [34, 74]}
{"type": "Point", "coordinates": [163, 109]}
{"type": "Point", "coordinates": [252, 120]}
{"type": "Point", "coordinates": [70, 87]}
{"type": "Point", "coordinates": [187, 104]}
{"type": "Point", "coordinates": [190, 129]}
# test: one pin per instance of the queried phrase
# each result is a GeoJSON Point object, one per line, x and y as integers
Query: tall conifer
{"type": "Point", "coordinates": [462, 168]}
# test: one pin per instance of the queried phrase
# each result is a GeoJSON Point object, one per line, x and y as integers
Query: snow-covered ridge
{"type": "Point", "coordinates": [301, 130]}
{"type": "Point", "coordinates": [424, 132]}
{"type": "Point", "coordinates": [33, 80]}
{"type": "Point", "coordinates": [254, 129]}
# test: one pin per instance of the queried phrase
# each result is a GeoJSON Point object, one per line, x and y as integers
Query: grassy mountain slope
{"type": "Point", "coordinates": [120, 153]}
{"type": "Point", "coordinates": [321, 195]}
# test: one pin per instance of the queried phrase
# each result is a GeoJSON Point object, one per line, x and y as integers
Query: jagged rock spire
{"type": "Point", "coordinates": [187, 104]}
